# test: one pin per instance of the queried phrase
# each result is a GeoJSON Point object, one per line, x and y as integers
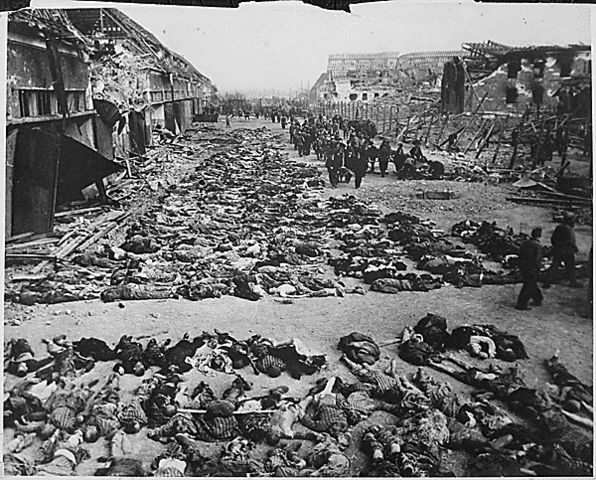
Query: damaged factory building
{"type": "Point", "coordinates": [87, 91]}
{"type": "Point", "coordinates": [389, 274]}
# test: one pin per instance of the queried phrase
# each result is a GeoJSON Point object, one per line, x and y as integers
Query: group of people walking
{"type": "Point", "coordinates": [349, 151]}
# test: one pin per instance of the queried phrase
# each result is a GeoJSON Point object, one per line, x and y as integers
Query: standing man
{"type": "Point", "coordinates": [359, 166]}
{"type": "Point", "coordinates": [283, 122]}
{"type": "Point", "coordinates": [334, 163]}
{"type": "Point", "coordinates": [564, 249]}
{"type": "Point", "coordinates": [530, 260]}
{"type": "Point", "coordinates": [384, 154]}
{"type": "Point", "coordinates": [292, 130]}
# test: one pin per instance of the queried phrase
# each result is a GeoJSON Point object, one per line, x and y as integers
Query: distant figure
{"type": "Point", "coordinates": [416, 152]}
{"type": "Point", "coordinates": [384, 154]}
{"type": "Point", "coordinates": [359, 167]}
{"type": "Point", "coordinates": [228, 116]}
{"type": "Point", "coordinates": [530, 260]}
{"type": "Point", "coordinates": [564, 249]}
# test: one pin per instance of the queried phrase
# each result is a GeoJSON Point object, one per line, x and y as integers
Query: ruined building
{"type": "Point", "coordinates": [368, 78]}
{"type": "Point", "coordinates": [132, 71]}
{"type": "Point", "coordinates": [555, 78]}
{"type": "Point", "coordinates": [84, 89]}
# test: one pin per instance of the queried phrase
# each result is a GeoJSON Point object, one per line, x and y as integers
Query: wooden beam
{"type": "Point", "coordinates": [438, 139]}
{"type": "Point", "coordinates": [485, 139]}
{"type": "Point", "coordinates": [472, 86]}
{"type": "Point", "coordinates": [479, 131]}
{"type": "Point", "coordinates": [430, 124]}
{"type": "Point", "coordinates": [499, 141]}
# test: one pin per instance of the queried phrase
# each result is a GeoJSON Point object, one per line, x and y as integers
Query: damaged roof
{"type": "Point", "coordinates": [500, 53]}
{"type": "Point", "coordinates": [50, 24]}
{"type": "Point", "coordinates": [112, 23]}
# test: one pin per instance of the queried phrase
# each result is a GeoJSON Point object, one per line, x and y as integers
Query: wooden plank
{"type": "Point", "coordinates": [35, 243]}
{"type": "Point", "coordinates": [22, 236]}
{"type": "Point", "coordinates": [472, 86]}
{"type": "Point", "coordinates": [82, 211]}
{"type": "Point", "coordinates": [478, 132]}
{"type": "Point", "coordinates": [430, 124]}
{"type": "Point", "coordinates": [103, 232]}
{"type": "Point", "coordinates": [28, 256]}
{"type": "Point", "coordinates": [563, 196]}
{"type": "Point", "coordinates": [500, 140]}
{"type": "Point", "coordinates": [548, 201]}
{"type": "Point", "coordinates": [460, 136]}
{"type": "Point", "coordinates": [404, 130]}
{"type": "Point", "coordinates": [28, 278]}
{"type": "Point", "coordinates": [519, 134]}
{"type": "Point", "coordinates": [484, 140]}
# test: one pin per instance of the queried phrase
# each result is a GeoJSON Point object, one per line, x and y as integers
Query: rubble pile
{"type": "Point", "coordinates": [380, 422]}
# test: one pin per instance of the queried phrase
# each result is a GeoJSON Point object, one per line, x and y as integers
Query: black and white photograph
{"type": "Point", "coordinates": [280, 240]}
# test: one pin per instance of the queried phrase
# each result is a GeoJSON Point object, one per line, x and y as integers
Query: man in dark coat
{"type": "Point", "coordinates": [416, 152]}
{"type": "Point", "coordinates": [564, 249]}
{"type": "Point", "coordinates": [530, 260]}
{"type": "Point", "coordinates": [399, 157]}
{"type": "Point", "coordinates": [334, 163]}
{"type": "Point", "coordinates": [359, 166]}
{"type": "Point", "coordinates": [384, 154]}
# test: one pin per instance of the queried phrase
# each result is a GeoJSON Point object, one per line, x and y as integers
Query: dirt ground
{"type": "Point", "coordinates": [562, 323]}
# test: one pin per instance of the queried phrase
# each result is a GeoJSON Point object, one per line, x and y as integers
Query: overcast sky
{"type": "Point", "coordinates": [281, 44]}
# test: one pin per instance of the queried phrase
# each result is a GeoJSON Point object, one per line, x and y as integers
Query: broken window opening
{"type": "Point", "coordinates": [24, 107]}
{"type": "Point", "coordinates": [511, 95]}
{"type": "Point", "coordinates": [566, 65]}
{"type": "Point", "coordinates": [513, 67]}
{"type": "Point", "coordinates": [75, 100]}
{"type": "Point", "coordinates": [538, 68]}
{"type": "Point", "coordinates": [365, 96]}
{"type": "Point", "coordinates": [34, 103]}
{"type": "Point", "coordinates": [353, 96]}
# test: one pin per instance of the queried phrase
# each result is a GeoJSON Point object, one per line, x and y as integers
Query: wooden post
{"type": "Point", "coordinates": [430, 124]}
{"type": "Point", "coordinates": [500, 140]}
{"type": "Point", "coordinates": [442, 128]}
{"type": "Point", "coordinates": [419, 126]}
{"type": "Point", "coordinates": [472, 87]}
{"type": "Point", "coordinates": [460, 136]}
{"type": "Point", "coordinates": [404, 130]}
{"type": "Point", "coordinates": [390, 119]}
{"type": "Point", "coordinates": [475, 136]}
{"type": "Point", "coordinates": [384, 118]}
{"type": "Point", "coordinates": [485, 139]}
{"type": "Point", "coordinates": [516, 144]}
